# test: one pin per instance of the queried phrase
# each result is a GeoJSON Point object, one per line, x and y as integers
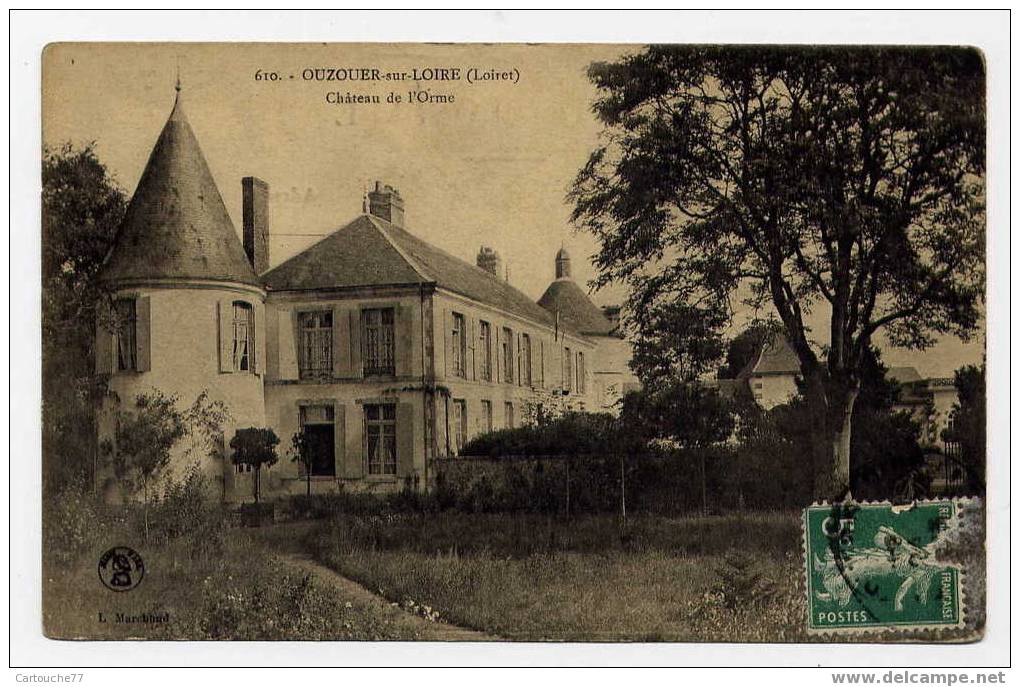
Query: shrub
{"type": "Point", "coordinates": [187, 512]}
{"type": "Point", "coordinates": [71, 524]}
{"type": "Point", "coordinates": [571, 433]}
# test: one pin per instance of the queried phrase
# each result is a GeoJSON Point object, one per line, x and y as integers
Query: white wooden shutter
{"type": "Point", "coordinates": [405, 439]}
{"type": "Point", "coordinates": [354, 344]}
{"type": "Point", "coordinates": [225, 317]}
{"type": "Point", "coordinates": [288, 344]}
{"type": "Point", "coordinates": [341, 343]}
{"type": "Point", "coordinates": [271, 348]}
{"type": "Point", "coordinates": [143, 346]}
{"type": "Point", "coordinates": [404, 338]}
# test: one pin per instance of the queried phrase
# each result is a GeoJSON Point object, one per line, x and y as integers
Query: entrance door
{"type": "Point", "coordinates": [320, 443]}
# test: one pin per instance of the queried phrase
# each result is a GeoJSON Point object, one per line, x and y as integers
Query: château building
{"type": "Point", "coordinates": [386, 350]}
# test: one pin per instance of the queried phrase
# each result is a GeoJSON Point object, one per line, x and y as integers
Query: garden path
{"type": "Point", "coordinates": [430, 630]}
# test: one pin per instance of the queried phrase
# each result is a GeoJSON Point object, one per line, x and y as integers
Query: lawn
{"type": "Point", "coordinates": [733, 578]}
{"type": "Point", "coordinates": [239, 592]}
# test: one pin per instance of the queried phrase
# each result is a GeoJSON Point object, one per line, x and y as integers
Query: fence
{"type": "Point", "coordinates": [674, 483]}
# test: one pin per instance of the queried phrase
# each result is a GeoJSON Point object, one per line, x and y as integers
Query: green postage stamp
{"type": "Point", "coordinates": [875, 566]}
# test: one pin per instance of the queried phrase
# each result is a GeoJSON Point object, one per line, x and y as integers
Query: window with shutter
{"type": "Point", "coordinates": [377, 342]}
{"type": "Point", "coordinates": [485, 341]}
{"type": "Point", "coordinates": [127, 350]}
{"type": "Point", "coordinates": [457, 339]}
{"type": "Point", "coordinates": [381, 438]}
{"type": "Point", "coordinates": [244, 337]}
{"type": "Point", "coordinates": [460, 424]}
{"type": "Point", "coordinates": [315, 355]}
{"type": "Point", "coordinates": [487, 415]}
{"type": "Point", "coordinates": [525, 360]}
{"type": "Point", "coordinates": [508, 356]}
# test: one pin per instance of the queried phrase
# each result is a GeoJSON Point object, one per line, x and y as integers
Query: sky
{"type": "Point", "coordinates": [491, 168]}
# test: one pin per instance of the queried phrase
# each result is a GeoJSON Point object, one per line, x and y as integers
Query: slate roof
{"type": "Point", "coordinates": [575, 308]}
{"type": "Point", "coordinates": [903, 375]}
{"type": "Point", "coordinates": [176, 225]}
{"type": "Point", "coordinates": [776, 357]}
{"type": "Point", "coordinates": [369, 251]}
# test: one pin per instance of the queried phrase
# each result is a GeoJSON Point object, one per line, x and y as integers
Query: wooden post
{"type": "Point", "coordinates": [623, 487]}
{"type": "Point", "coordinates": [568, 486]}
{"type": "Point", "coordinates": [704, 485]}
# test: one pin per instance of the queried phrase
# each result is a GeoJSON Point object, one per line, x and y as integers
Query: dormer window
{"type": "Point", "coordinates": [244, 337]}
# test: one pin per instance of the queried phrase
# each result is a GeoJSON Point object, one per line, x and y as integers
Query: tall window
{"type": "Point", "coordinates": [126, 328]}
{"type": "Point", "coordinates": [486, 343]}
{"type": "Point", "coordinates": [525, 356]}
{"type": "Point", "coordinates": [568, 371]}
{"type": "Point", "coordinates": [318, 425]}
{"type": "Point", "coordinates": [508, 355]}
{"type": "Point", "coordinates": [244, 336]}
{"type": "Point", "coordinates": [508, 412]}
{"type": "Point", "coordinates": [381, 438]}
{"type": "Point", "coordinates": [377, 341]}
{"type": "Point", "coordinates": [316, 344]}
{"type": "Point", "coordinates": [487, 415]}
{"type": "Point", "coordinates": [460, 423]}
{"type": "Point", "coordinates": [580, 372]}
{"type": "Point", "coordinates": [459, 349]}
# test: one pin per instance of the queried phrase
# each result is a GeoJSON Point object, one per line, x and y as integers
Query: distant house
{"type": "Point", "coordinates": [928, 401]}
{"type": "Point", "coordinates": [769, 378]}
{"type": "Point", "coordinates": [772, 375]}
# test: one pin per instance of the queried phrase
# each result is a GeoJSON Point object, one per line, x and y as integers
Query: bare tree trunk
{"type": "Point", "coordinates": [832, 470]}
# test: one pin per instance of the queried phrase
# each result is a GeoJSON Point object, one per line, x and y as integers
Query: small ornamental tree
{"type": "Point", "coordinates": [145, 437]}
{"type": "Point", "coordinates": [687, 414]}
{"type": "Point", "coordinates": [300, 452]}
{"type": "Point", "coordinates": [255, 446]}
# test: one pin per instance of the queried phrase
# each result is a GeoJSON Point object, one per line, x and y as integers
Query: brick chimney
{"type": "Point", "coordinates": [488, 260]}
{"type": "Point", "coordinates": [385, 202]}
{"type": "Point", "coordinates": [255, 222]}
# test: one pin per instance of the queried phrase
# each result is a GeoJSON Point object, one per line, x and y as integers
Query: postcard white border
{"type": "Point", "coordinates": [29, 32]}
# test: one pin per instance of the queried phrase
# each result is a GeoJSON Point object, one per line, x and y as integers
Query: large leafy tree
{"type": "Point", "coordinates": [837, 181]}
{"type": "Point", "coordinates": [82, 206]}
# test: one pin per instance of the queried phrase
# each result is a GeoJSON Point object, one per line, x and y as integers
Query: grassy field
{"type": "Point", "coordinates": [534, 578]}
{"type": "Point", "coordinates": [240, 592]}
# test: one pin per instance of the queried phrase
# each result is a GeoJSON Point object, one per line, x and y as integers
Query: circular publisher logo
{"type": "Point", "coordinates": [121, 569]}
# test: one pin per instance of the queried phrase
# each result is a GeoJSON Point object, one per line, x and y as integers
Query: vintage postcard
{"type": "Point", "coordinates": [514, 342]}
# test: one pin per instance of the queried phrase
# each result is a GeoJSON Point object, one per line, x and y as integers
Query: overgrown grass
{"type": "Point", "coordinates": [202, 580]}
{"type": "Point", "coordinates": [241, 594]}
{"type": "Point", "coordinates": [536, 578]}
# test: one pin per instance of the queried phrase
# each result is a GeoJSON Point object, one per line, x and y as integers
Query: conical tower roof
{"type": "Point", "coordinates": [565, 297]}
{"type": "Point", "coordinates": [176, 226]}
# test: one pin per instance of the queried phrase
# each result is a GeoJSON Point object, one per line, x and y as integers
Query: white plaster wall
{"type": "Point", "coordinates": [184, 354]}
{"type": "Point", "coordinates": [773, 390]}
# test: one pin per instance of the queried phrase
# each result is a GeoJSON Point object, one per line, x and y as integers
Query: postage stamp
{"type": "Point", "coordinates": [874, 566]}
